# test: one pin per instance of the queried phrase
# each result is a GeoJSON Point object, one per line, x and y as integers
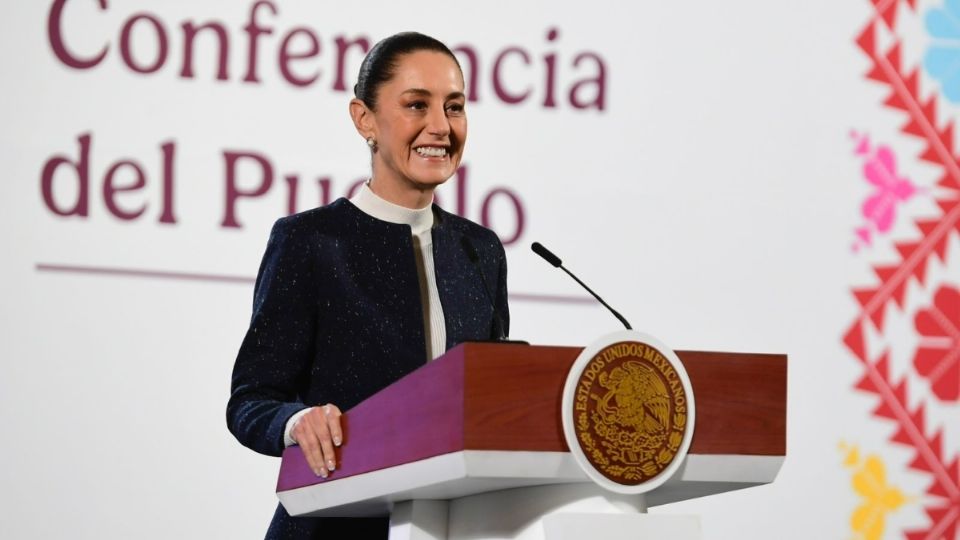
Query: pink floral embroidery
{"type": "Point", "coordinates": [880, 170]}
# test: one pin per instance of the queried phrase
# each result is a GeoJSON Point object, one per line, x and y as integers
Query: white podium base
{"type": "Point", "coordinates": [621, 527]}
{"type": "Point", "coordinates": [551, 512]}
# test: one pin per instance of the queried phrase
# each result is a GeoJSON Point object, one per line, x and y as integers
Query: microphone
{"type": "Point", "coordinates": [468, 248]}
{"type": "Point", "coordinates": [547, 255]}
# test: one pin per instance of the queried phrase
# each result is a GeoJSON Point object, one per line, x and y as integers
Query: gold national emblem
{"type": "Point", "coordinates": [630, 412]}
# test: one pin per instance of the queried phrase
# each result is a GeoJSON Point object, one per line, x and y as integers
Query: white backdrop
{"type": "Point", "coordinates": [712, 200]}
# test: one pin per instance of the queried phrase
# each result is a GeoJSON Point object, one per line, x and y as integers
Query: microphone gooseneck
{"type": "Point", "coordinates": [471, 252]}
{"type": "Point", "coordinates": [548, 256]}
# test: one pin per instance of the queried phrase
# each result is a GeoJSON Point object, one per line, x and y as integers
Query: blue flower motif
{"type": "Point", "coordinates": [942, 60]}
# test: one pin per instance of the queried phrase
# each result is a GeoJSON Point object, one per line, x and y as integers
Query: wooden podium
{"type": "Point", "coordinates": [471, 446]}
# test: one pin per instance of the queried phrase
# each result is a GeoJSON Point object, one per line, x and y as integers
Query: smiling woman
{"type": "Point", "coordinates": [416, 126]}
{"type": "Point", "coordinates": [353, 295]}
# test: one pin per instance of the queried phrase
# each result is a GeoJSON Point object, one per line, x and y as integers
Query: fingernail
{"type": "Point", "coordinates": [336, 441]}
{"type": "Point", "coordinates": [320, 472]}
{"type": "Point", "coordinates": [331, 465]}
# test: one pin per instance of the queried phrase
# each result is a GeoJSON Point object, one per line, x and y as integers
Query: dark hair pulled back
{"type": "Point", "coordinates": [380, 64]}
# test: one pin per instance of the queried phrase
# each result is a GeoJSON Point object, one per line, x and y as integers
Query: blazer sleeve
{"type": "Point", "coordinates": [502, 305]}
{"type": "Point", "coordinates": [275, 357]}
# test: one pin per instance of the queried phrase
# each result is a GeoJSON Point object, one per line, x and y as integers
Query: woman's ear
{"type": "Point", "coordinates": [362, 119]}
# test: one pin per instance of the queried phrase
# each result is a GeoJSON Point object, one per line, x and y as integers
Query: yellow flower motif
{"type": "Point", "coordinates": [853, 455]}
{"type": "Point", "coordinates": [878, 497]}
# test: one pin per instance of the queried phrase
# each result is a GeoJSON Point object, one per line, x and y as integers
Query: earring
{"type": "Point", "coordinates": [371, 142]}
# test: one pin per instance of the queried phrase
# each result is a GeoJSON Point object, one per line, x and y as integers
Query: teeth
{"type": "Point", "coordinates": [431, 151]}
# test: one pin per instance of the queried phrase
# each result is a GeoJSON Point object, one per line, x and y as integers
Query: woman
{"type": "Point", "coordinates": [354, 295]}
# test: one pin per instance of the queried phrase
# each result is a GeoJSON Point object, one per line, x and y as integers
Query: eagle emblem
{"type": "Point", "coordinates": [630, 412]}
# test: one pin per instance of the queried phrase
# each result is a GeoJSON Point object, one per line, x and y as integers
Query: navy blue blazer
{"type": "Point", "coordinates": [337, 316]}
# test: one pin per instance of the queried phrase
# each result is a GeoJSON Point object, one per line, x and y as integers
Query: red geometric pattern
{"type": "Point", "coordinates": [938, 356]}
{"type": "Point", "coordinates": [936, 325]}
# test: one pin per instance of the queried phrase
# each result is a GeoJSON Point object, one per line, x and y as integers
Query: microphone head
{"type": "Point", "coordinates": [469, 250]}
{"type": "Point", "coordinates": [538, 248]}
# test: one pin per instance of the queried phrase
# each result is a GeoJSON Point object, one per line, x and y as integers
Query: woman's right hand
{"type": "Point", "coordinates": [318, 433]}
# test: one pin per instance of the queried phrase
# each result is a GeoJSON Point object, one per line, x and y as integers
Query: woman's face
{"type": "Point", "coordinates": [420, 124]}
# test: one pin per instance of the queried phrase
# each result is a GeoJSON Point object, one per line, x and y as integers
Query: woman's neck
{"type": "Point", "coordinates": [408, 196]}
